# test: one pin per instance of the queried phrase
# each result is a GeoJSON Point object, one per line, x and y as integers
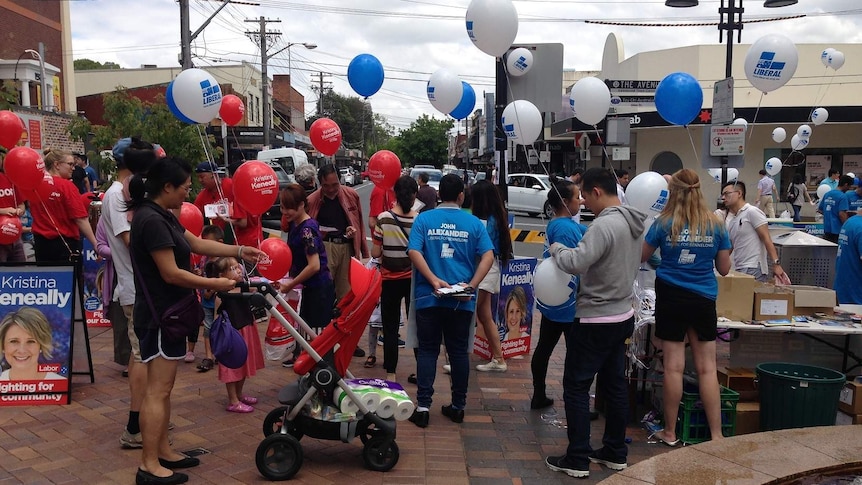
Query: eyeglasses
{"type": "Point", "coordinates": [725, 194]}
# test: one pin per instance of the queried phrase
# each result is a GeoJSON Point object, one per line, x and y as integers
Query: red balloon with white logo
{"type": "Point", "coordinates": [24, 167]}
{"type": "Point", "coordinates": [45, 190]}
{"type": "Point", "coordinates": [10, 229]}
{"type": "Point", "coordinates": [232, 109]}
{"type": "Point", "coordinates": [11, 128]}
{"type": "Point", "coordinates": [384, 168]}
{"type": "Point", "coordinates": [191, 218]}
{"type": "Point", "coordinates": [255, 187]}
{"type": "Point", "coordinates": [277, 261]}
{"type": "Point", "coordinates": [325, 136]}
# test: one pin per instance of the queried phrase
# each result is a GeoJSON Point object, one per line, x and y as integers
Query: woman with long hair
{"type": "Point", "coordinates": [161, 251]}
{"type": "Point", "coordinates": [390, 237]}
{"type": "Point", "coordinates": [692, 241]}
{"type": "Point", "coordinates": [488, 206]}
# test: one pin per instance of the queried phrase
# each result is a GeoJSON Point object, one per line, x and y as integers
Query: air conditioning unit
{"type": "Point", "coordinates": [584, 155]}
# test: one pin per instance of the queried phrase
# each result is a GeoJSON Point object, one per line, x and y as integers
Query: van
{"type": "Point", "coordinates": [288, 158]}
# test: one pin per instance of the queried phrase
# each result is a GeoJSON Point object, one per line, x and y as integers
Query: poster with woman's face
{"type": "Point", "coordinates": [514, 310]}
{"type": "Point", "coordinates": [36, 306]}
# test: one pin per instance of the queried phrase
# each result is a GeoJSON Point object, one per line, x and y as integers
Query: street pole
{"type": "Point", "coordinates": [730, 20]}
{"type": "Point", "coordinates": [185, 36]}
{"type": "Point", "coordinates": [501, 141]}
{"type": "Point", "coordinates": [264, 86]}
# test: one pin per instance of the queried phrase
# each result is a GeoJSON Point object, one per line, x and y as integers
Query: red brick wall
{"type": "Point", "coordinates": [54, 134]}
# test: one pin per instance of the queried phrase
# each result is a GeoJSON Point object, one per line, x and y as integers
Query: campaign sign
{"type": "Point", "coordinates": [36, 304]}
{"type": "Point", "coordinates": [94, 273]}
{"type": "Point", "coordinates": [512, 309]}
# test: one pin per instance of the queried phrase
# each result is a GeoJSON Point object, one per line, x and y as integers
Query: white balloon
{"type": "Point", "coordinates": [519, 61]}
{"type": "Point", "coordinates": [804, 131]}
{"type": "Point", "coordinates": [799, 143]}
{"type": "Point", "coordinates": [819, 116]}
{"type": "Point", "coordinates": [836, 60]}
{"type": "Point", "coordinates": [194, 96]}
{"type": "Point", "coordinates": [824, 56]}
{"type": "Point", "coordinates": [741, 121]}
{"type": "Point", "coordinates": [444, 90]}
{"type": "Point", "coordinates": [522, 122]}
{"type": "Point", "coordinates": [492, 25]}
{"type": "Point", "coordinates": [779, 135]}
{"type": "Point", "coordinates": [773, 166]}
{"type": "Point", "coordinates": [715, 173]}
{"type": "Point", "coordinates": [647, 192]}
{"type": "Point", "coordinates": [591, 100]}
{"type": "Point", "coordinates": [822, 189]}
{"type": "Point", "coordinates": [552, 286]}
{"type": "Point", "coordinates": [851, 175]}
{"type": "Point", "coordinates": [771, 62]}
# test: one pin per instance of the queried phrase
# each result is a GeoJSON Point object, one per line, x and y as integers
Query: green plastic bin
{"type": "Point", "coordinates": [797, 395]}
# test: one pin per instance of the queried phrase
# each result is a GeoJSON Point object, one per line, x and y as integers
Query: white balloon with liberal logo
{"type": "Point", "coordinates": [824, 56]}
{"type": "Point", "coordinates": [522, 122]}
{"type": "Point", "coordinates": [591, 100]}
{"type": "Point", "coordinates": [779, 135]}
{"type": "Point", "coordinates": [552, 285]}
{"type": "Point", "coordinates": [773, 166]}
{"type": "Point", "coordinates": [492, 25]}
{"type": "Point", "coordinates": [819, 116]}
{"type": "Point", "coordinates": [648, 192]}
{"type": "Point", "coordinates": [715, 173]}
{"type": "Point", "coordinates": [519, 61]}
{"type": "Point", "coordinates": [822, 189]}
{"type": "Point", "coordinates": [770, 62]}
{"type": "Point", "coordinates": [799, 143]}
{"type": "Point", "coordinates": [444, 90]}
{"type": "Point", "coordinates": [194, 96]}
{"type": "Point", "coordinates": [836, 60]}
{"type": "Point", "coordinates": [804, 131]}
{"type": "Point", "coordinates": [741, 122]}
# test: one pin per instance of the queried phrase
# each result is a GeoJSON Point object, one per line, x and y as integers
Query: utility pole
{"type": "Point", "coordinates": [321, 79]}
{"type": "Point", "coordinates": [186, 35]}
{"type": "Point", "coordinates": [264, 76]}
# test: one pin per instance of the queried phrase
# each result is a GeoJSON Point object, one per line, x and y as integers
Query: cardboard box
{"type": "Point", "coordinates": [735, 296]}
{"type": "Point", "coordinates": [813, 299]}
{"type": "Point", "coordinates": [783, 302]}
{"type": "Point", "coordinates": [850, 399]}
{"type": "Point", "coordinates": [843, 419]}
{"type": "Point", "coordinates": [747, 418]}
{"type": "Point", "coordinates": [741, 380]}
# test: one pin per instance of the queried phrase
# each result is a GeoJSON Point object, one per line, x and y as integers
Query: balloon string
{"type": "Point", "coordinates": [756, 111]}
{"type": "Point", "coordinates": [691, 140]}
{"type": "Point", "coordinates": [54, 223]}
{"type": "Point", "coordinates": [219, 190]}
{"type": "Point", "coordinates": [819, 90]}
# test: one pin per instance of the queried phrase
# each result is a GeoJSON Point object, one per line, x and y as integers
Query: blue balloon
{"type": "Point", "coordinates": [467, 103]}
{"type": "Point", "coordinates": [365, 74]}
{"type": "Point", "coordinates": [679, 98]}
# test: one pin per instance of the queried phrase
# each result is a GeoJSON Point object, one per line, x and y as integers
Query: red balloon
{"type": "Point", "coordinates": [384, 168]}
{"type": "Point", "coordinates": [44, 191]}
{"type": "Point", "coordinates": [11, 128]}
{"type": "Point", "coordinates": [255, 187]}
{"type": "Point", "coordinates": [191, 218]}
{"type": "Point", "coordinates": [232, 109]}
{"type": "Point", "coordinates": [24, 167]}
{"type": "Point", "coordinates": [10, 229]}
{"type": "Point", "coordinates": [325, 136]}
{"type": "Point", "coordinates": [277, 261]}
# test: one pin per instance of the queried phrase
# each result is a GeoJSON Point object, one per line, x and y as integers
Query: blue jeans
{"type": "Point", "coordinates": [796, 210]}
{"type": "Point", "coordinates": [591, 349]}
{"type": "Point", "coordinates": [452, 327]}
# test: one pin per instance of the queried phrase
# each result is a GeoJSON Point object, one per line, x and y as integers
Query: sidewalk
{"type": "Point", "coordinates": [501, 440]}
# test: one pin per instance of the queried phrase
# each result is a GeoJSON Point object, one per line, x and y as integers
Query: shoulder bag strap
{"type": "Point", "coordinates": [140, 282]}
{"type": "Point", "coordinates": [400, 226]}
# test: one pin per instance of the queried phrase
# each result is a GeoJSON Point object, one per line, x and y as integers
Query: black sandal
{"type": "Point", "coordinates": [205, 365]}
{"type": "Point", "coordinates": [370, 361]}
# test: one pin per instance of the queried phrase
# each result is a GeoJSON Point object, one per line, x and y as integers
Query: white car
{"type": "Point", "coordinates": [434, 175]}
{"type": "Point", "coordinates": [528, 192]}
{"type": "Point", "coordinates": [348, 177]}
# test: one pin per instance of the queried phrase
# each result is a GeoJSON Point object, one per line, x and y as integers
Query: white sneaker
{"type": "Point", "coordinates": [447, 368]}
{"type": "Point", "coordinates": [493, 366]}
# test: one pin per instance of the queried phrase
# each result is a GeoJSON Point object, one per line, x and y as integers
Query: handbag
{"type": "Point", "coordinates": [228, 346]}
{"type": "Point", "coordinates": [179, 320]}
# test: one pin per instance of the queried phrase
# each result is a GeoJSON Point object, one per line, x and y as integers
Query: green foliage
{"type": "Point", "coordinates": [89, 64]}
{"type": "Point", "coordinates": [425, 142]}
{"type": "Point", "coordinates": [8, 94]}
{"type": "Point", "coordinates": [153, 122]}
{"type": "Point", "coordinates": [360, 126]}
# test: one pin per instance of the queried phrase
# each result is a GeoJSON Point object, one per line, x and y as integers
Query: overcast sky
{"type": "Point", "coordinates": [414, 38]}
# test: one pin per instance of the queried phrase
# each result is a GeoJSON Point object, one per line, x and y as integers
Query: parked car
{"type": "Point", "coordinates": [271, 219]}
{"type": "Point", "coordinates": [348, 177]}
{"type": "Point", "coordinates": [434, 176]}
{"type": "Point", "coordinates": [528, 193]}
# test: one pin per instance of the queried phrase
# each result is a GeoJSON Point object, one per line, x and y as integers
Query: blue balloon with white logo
{"type": "Point", "coordinates": [467, 103]}
{"type": "Point", "coordinates": [679, 98]}
{"type": "Point", "coordinates": [194, 96]}
{"type": "Point", "coordinates": [365, 74]}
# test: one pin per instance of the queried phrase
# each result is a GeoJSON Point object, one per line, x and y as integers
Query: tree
{"type": "Point", "coordinates": [153, 122]}
{"type": "Point", "coordinates": [89, 64]}
{"type": "Point", "coordinates": [425, 142]}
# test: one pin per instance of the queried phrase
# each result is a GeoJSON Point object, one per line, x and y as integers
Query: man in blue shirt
{"type": "Point", "coordinates": [834, 207]}
{"type": "Point", "coordinates": [832, 179]}
{"type": "Point", "coordinates": [458, 251]}
{"type": "Point", "coordinates": [854, 197]}
{"type": "Point", "coordinates": [848, 266]}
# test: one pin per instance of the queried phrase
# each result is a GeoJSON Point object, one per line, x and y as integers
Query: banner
{"type": "Point", "coordinates": [94, 271]}
{"type": "Point", "coordinates": [513, 310]}
{"type": "Point", "coordinates": [36, 304]}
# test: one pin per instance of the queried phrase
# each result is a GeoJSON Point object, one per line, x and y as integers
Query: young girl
{"type": "Point", "coordinates": [565, 198]}
{"type": "Point", "coordinates": [488, 206]}
{"type": "Point", "coordinates": [239, 313]}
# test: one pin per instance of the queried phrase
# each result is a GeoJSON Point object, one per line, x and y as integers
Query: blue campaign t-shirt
{"type": "Point", "coordinates": [565, 231]}
{"type": "Point", "coordinates": [830, 205]}
{"type": "Point", "coordinates": [854, 201]}
{"type": "Point", "coordinates": [451, 241]}
{"type": "Point", "coordinates": [494, 234]}
{"type": "Point", "coordinates": [848, 267]}
{"type": "Point", "coordinates": [689, 263]}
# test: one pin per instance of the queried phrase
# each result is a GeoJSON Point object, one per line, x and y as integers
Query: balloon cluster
{"type": "Point", "coordinates": [715, 173]}
{"type": "Point", "coordinates": [832, 58]}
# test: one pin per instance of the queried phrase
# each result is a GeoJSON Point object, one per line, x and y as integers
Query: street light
{"type": "Point", "coordinates": [42, 80]}
{"type": "Point", "coordinates": [266, 119]}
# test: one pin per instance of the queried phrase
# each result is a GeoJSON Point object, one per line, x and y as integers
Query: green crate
{"type": "Point", "coordinates": [691, 425]}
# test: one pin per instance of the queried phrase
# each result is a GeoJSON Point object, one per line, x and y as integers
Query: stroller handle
{"type": "Point", "coordinates": [264, 287]}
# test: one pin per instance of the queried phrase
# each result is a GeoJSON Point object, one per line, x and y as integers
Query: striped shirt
{"type": "Point", "coordinates": [394, 262]}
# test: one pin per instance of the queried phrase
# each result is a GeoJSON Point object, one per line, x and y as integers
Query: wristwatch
{"type": "Point", "coordinates": [776, 262]}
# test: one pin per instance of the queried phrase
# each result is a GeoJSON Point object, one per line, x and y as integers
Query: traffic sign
{"type": "Point", "coordinates": [726, 140]}
{"type": "Point", "coordinates": [722, 102]}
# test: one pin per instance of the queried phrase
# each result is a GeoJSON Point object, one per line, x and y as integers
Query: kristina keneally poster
{"type": "Point", "coordinates": [512, 309]}
{"type": "Point", "coordinates": [36, 304]}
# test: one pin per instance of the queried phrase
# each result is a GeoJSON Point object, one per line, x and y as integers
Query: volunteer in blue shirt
{"type": "Point", "coordinates": [848, 266]}
{"type": "Point", "coordinates": [458, 250]}
{"type": "Point", "coordinates": [834, 207]}
{"type": "Point", "coordinates": [854, 197]}
{"type": "Point", "coordinates": [692, 240]}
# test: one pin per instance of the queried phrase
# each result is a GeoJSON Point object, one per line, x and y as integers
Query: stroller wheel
{"type": "Point", "coordinates": [380, 453]}
{"type": "Point", "coordinates": [278, 457]}
{"type": "Point", "coordinates": [273, 422]}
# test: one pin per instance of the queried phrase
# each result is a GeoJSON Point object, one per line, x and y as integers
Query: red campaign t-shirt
{"type": "Point", "coordinates": [10, 196]}
{"type": "Point", "coordinates": [381, 200]}
{"type": "Point", "coordinates": [252, 233]}
{"type": "Point", "coordinates": [62, 208]}
{"type": "Point", "coordinates": [207, 197]}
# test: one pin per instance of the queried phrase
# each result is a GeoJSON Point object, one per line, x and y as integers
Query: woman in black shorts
{"type": "Point", "coordinates": [692, 242]}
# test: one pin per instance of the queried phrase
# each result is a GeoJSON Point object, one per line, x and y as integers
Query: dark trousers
{"type": "Point", "coordinates": [55, 249]}
{"type": "Point", "coordinates": [796, 210]}
{"type": "Point", "coordinates": [434, 326]}
{"type": "Point", "coordinates": [830, 236]}
{"type": "Point", "coordinates": [596, 349]}
{"type": "Point", "coordinates": [390, 312]}
{"type": "Point", "coordinates": [549, 334]}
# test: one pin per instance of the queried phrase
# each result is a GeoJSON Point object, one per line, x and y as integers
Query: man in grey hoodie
{"type": "Point", "coordinates": [607, 258]}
